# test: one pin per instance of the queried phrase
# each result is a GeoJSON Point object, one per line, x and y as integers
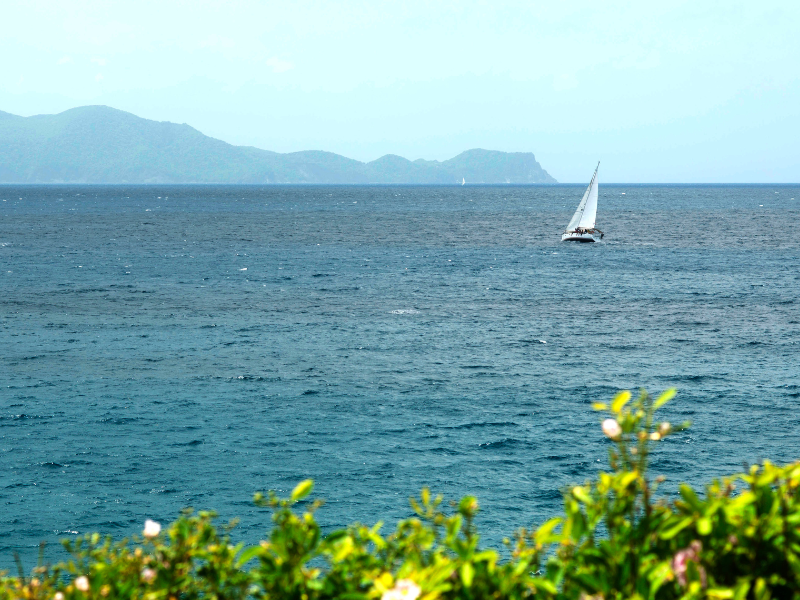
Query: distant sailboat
{"type": "Point", "coordinates": [463, 181]}
{"type": "Point", "coordinates": [581, 228]}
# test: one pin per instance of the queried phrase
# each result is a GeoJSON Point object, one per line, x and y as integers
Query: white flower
{"type": "Point", "coordinates": [612, 429]}
{"type": "Point", "coordinates": [148, 575]}
{"type": "Point", "coordinates": [404, 589]}
{"type": "Point", "coordinates": [655, 436]}
{"type": "Point", "coordinates": [151, 529]}
{"type": "Point", "coordinates": [82, 583]}
{"type": "Point", "coordinates": [58, 596]}
{"type": "Point", "coordinates": [664, 428]}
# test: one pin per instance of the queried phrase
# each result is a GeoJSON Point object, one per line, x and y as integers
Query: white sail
{"type": "Point", "coordinates": [576, 218]}
{"type": "Point", "coordinates": [590, 212]}
{"type": "Point", "coordinates": [586, 214]}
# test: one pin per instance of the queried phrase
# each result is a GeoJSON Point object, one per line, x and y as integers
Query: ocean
{"type": "Point", "coordinates": [174, 346]}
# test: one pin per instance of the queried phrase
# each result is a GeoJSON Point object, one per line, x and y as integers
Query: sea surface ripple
{"type": "Point", "coordinates": [173, 346]}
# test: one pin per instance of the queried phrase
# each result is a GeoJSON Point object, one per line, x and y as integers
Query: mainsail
{"type": "Point", "coordinates": [586, 214]}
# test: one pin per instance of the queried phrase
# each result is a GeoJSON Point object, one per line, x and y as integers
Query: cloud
{"type": "Point", "coordinates": [100, 61]}
{"type": "Point", "coordinates": [278, 65]}
{"type": "Point", "coordinates": [64, 60]}
{"type": "Point", "coordinates": [98, 77]}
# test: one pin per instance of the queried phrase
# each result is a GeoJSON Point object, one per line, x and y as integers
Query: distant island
{"type": "Point", "coordinates": [99, 144]}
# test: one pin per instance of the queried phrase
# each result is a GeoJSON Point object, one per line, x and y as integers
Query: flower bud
{"type": "Point", "coordinates": [664, 428]}
{"type": "Point", "coordinates": [82, 583]}
{"type": "Point", "coordinates": [151, 529]}
{"type": "Point", "coordinates": [655, 436]}
{"type": "Point", "coordinates": [612, 429]}
{"type": "Point", "coordinates": [148, 575]}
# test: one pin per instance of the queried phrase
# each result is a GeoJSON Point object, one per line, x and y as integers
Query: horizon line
{"type": "Point", "coordinates": [311, 184]}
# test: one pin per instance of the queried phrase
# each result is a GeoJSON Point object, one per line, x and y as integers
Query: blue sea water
{"type": "Point", "coordinates": [172, 346]}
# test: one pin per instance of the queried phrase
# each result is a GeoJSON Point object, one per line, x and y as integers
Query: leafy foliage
{"type": "Point", "coordinates": [613, 541]}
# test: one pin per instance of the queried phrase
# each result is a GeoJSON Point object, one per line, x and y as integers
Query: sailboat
{"type": "Point", "coordinates": [581, 227]}
{"type": "Point", "coordinates": [463, 181]}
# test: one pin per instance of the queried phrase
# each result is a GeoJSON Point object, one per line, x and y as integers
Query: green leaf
{"type": "Point", "coordinates": [599, 406]}
{"type": "Point", "coordinates": [578, 526]}
{"type": "Point", "coordinates": [545, 585]}
{"type": "Point", "coordinates": [248, 555]}
{"type": "Point", "coordinates": [302, 490]}
{"type": "Point", "coordinates": [620, 400]}
{"type": "Point", "coordinates": [544, 532]}
{"type": "Point", "coordinates": [691, 498]}
{"type": "Point", "coordinates": [704, 526]}
{"type": "Point", "coordinates": [489, 556]}
{"type": "Point", "coordinates": [335, 536]}
{"type": "Point", "coordinates": [741, 589]}
{"type": "Point", "coordinates": [580, 494]}
{"type": "Point", "coordinates": [467, 573]}
{"type": "Point", "coordinates": [676, 529]}
{"type": "Point", "coordinates": [664, 398]}
{"type": "Point", "coordinates": [425, 496]}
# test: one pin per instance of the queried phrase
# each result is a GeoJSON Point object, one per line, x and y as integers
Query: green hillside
{"type": "Point", "coordinates": [99, 144]}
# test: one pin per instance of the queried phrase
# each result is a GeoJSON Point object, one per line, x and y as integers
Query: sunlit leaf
{"type": "Point", "coordinates": [620, 400]}
{"type": "Point", "coordinates": [580, 494]}
{"type": "Point", "coordinates": [676, 529]}
{"type": "Point", "coordinates": [546, 529]}
{"type": "Point", "coordinates": [248, 555]}
{"type": "Point", "coordinates": [704, 526]}
{"type": "Point", "coordinates": [302, 490]}
{"type": "Point", "coordinates": [665, 397]}
{"type": "Point", "coordinates": [467, 573]}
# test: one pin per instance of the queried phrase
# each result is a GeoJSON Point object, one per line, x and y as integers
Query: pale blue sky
{"type": "Point", "coordinates": [696, 91]}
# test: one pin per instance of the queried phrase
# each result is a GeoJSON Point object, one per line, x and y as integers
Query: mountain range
{"type": "Point", "coordinates": [99, 144]}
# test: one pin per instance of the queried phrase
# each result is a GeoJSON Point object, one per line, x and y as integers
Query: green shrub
{"type": "Point", "coordinates": [613, 541]}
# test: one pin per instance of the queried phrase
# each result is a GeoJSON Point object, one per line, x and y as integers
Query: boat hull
{"type": "Point", "coordinates": [573, 236]}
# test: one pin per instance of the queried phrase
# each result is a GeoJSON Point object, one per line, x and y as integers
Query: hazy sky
{"type": "Point", "coordinates": [695, 91]}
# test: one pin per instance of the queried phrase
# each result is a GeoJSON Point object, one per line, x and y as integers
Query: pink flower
{"type": "Point", "coordinates": [148, 575]}
{"type": "Point", "coordinates": [404, 589]}
{"type": "Point", "coordinates": [681, 560]}
{"type": "Point", "coordinates": [612, 429]}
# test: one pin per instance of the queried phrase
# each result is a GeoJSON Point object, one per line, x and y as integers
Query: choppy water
{"type": "Point", "coordinates": [172, 346]}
